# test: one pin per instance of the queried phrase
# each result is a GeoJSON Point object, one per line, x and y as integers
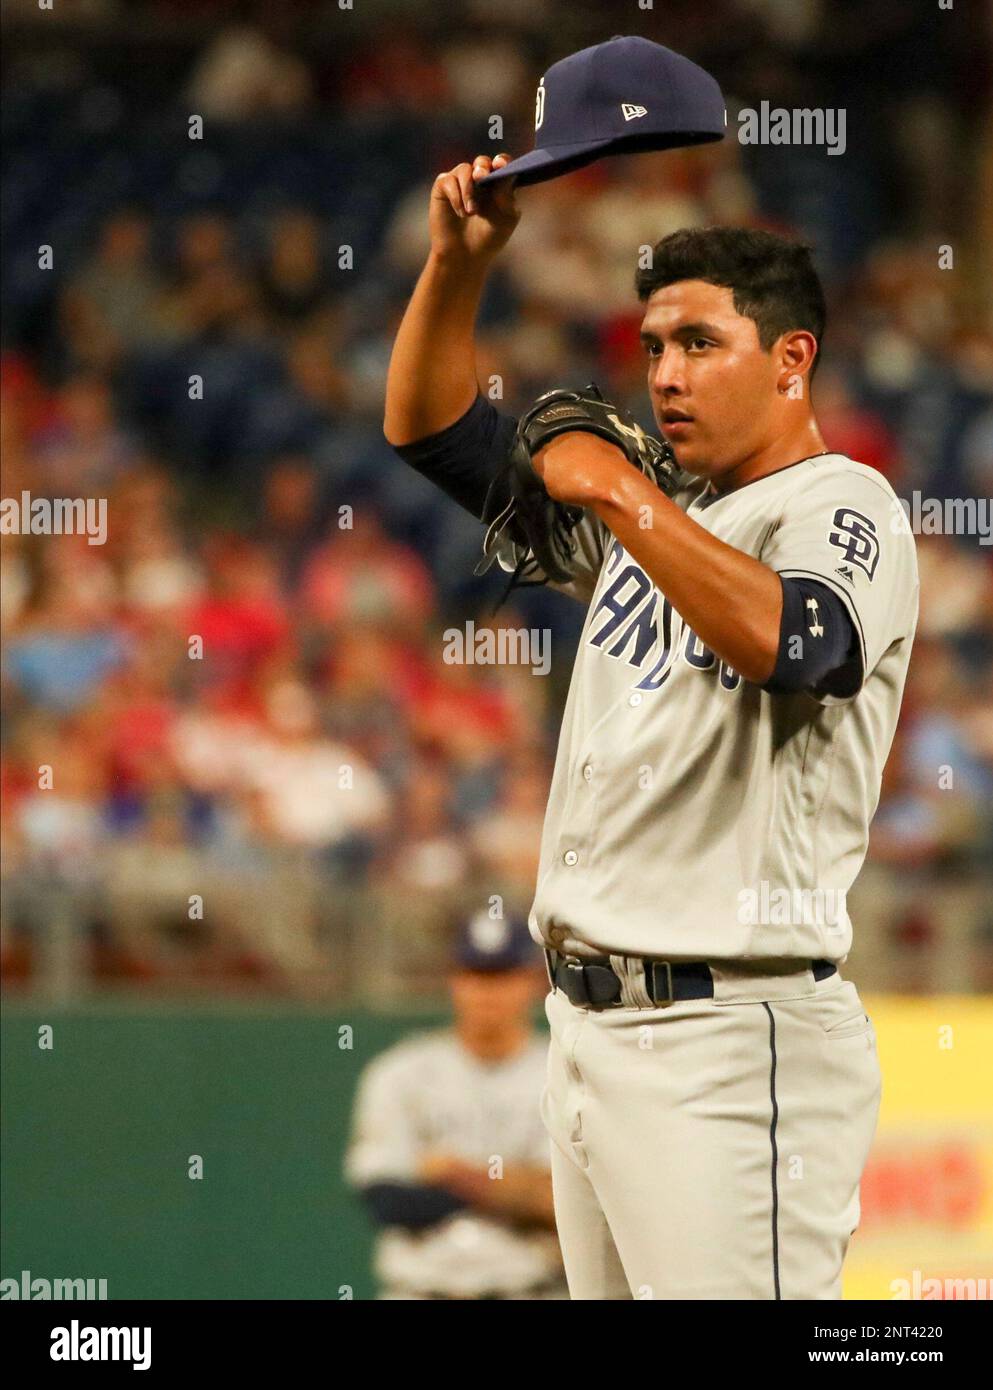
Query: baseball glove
{"type": "Point", "coordinates": [539, 528]}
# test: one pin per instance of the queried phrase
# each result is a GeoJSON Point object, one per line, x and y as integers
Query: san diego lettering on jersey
{"type": "Point", "coordinates": [635, 623]}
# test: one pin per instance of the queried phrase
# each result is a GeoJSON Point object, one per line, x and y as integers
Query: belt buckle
{"type": "Point", "coordinates": [670, 999]}
{"type": "Point", "coordinates": [575, 969]}
{"type": "Point", "coordinates": [603, 986]}
{"type": "Point", "coordinates": [569, 977]}
{"type": "Point", "coordinates": [584, 983]}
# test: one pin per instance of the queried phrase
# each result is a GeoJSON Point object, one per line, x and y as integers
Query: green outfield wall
{"type": "Point", "coordinates": [99, 1130]}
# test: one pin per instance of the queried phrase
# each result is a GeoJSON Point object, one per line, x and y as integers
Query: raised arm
{"type": "Point", "coordinates": [432, 376]}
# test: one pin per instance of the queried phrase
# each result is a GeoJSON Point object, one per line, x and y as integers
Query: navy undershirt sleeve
{"type": "Point", "coordinates": [464, 458]}
{"type": "Point", "coordinates": [819, 649]}
{"type": "Point", "coordinates": [410, 1204]}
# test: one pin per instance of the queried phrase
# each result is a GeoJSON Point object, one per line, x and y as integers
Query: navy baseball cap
{"type": "Point", "coordinates": [617, 97]}
{"type": "Point", "coordinates": [492, 944]}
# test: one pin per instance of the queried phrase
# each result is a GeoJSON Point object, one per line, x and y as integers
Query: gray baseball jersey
{"type": "Point", "coordinates": [692, 814]}
{"type": "Point", "coordinates": [427, 1094]}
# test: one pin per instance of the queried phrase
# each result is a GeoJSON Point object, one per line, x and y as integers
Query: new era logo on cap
{"type": "Point", "coordinates": [631, 113]}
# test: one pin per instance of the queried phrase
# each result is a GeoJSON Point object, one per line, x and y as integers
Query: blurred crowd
{"type": "Point", "coordinates": [262, 771]}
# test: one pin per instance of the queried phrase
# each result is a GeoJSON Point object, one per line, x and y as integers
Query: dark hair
{"type": "Point", "coordinates": [773, 279]}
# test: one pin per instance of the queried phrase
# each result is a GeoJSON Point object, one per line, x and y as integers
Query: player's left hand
{"type": "Point", "coordinates": [578, 467]}
{"type": "Point", "coordinates": [567, 452]}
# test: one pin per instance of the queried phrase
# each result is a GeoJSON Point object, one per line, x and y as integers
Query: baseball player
{"type": "Point", "coordinates": [448, 1147]}
{"type": "Point", "coordinates": [713, 1081]}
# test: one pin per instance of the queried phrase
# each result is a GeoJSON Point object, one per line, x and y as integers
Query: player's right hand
{"type": "Point", "coordinates": [469, 222]}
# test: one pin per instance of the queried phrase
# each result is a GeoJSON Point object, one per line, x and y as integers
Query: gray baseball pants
{"type": "Point", "coordinates": [711, 1148]}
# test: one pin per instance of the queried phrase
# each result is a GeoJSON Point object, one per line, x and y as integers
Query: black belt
{"type": "Point", "coordinates": [594, 984]}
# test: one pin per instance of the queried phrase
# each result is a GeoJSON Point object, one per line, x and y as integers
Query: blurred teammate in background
{"type": "Point", "coordinates": [448, 1148]}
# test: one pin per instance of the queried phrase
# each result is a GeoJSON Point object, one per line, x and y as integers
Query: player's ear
{"type": "Point", "coordinates": [796, 352]}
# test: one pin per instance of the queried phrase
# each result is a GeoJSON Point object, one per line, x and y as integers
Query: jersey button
{"type": "Point", "coordinates": [588, 773]}
{"type": "Point", "coordinates": [635, 699]}
{"type": "Point", "coordinates": [571, 857]}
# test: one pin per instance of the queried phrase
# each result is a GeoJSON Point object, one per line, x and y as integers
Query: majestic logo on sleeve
{"type": "Point", "coordinates": [856, 538]}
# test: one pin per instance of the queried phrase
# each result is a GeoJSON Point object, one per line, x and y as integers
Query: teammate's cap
{"type": "Point", "coordinates": [617, 97]}
{"type": "Point", "coordinates": [491, 944]}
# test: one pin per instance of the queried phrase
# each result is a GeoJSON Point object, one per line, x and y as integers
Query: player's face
{"type": "Point", "coordinates": [486, 1000]}
{"type": "Point", "coordinates": [713, 387]}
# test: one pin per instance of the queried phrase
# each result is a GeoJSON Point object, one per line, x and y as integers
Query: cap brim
{"type": "Point", "coordinates": [539, 165]}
